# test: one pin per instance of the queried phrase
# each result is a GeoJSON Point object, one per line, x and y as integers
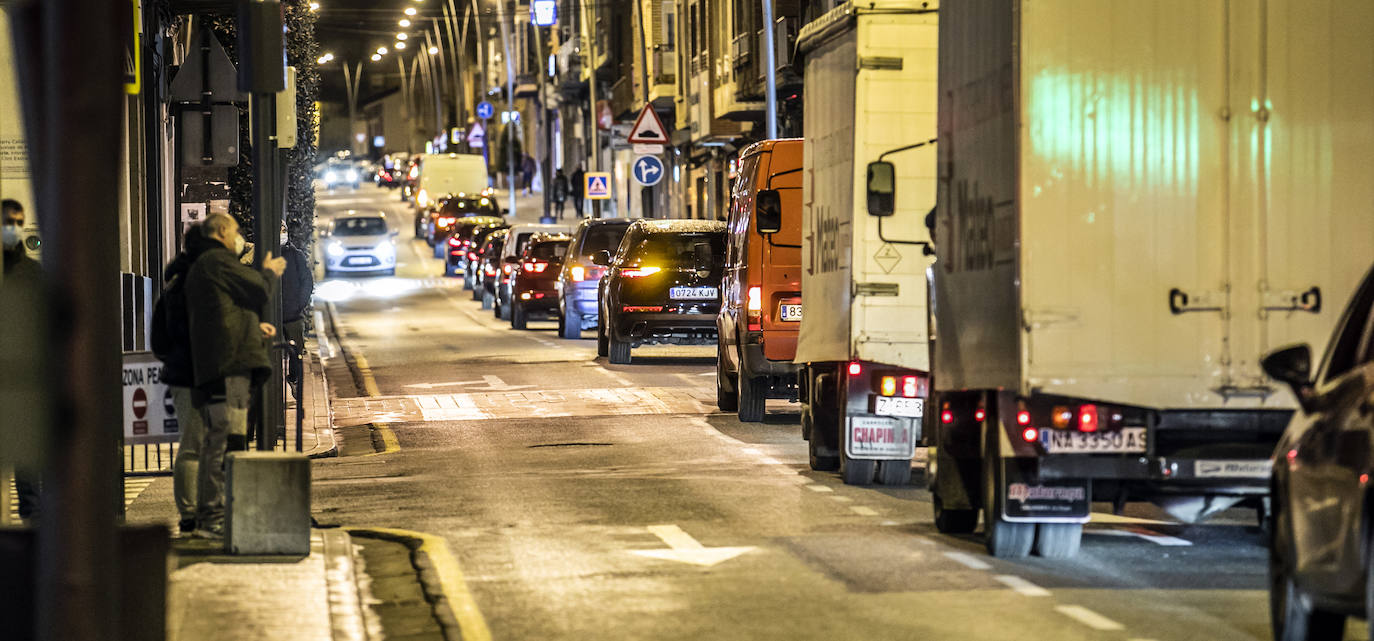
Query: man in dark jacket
{"type": "Point", "coordinates": [579, 185]}
{"type": "Point", "coordinates": [297, 285]}
{"type": "Point", "coordinates": [559, 195]}
{"type": "Point", "coordinates": [171, 342]}
{"type": "Point", "coordinates": [225, 299]}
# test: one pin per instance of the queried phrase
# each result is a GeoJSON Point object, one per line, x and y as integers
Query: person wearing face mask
{"type": "Point", "coordinates": [229, 353]}
{"type": "Point", "coordinates": [22, 275]}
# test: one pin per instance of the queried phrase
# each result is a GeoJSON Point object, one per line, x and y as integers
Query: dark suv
{"type": "Point", "coordinates": [489, 267]}
{"type": "Point", "coordinates": [532, 285]}
{"type": "Point", "coordinates": [578, 280]}
{"type": "Point", "coordinates": [459, 242]}
{"type": "Point", "coordinates": [663, 286]}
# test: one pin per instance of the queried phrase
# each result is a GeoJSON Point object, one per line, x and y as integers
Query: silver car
{"type": "Point", "coordinates": [358, 242]}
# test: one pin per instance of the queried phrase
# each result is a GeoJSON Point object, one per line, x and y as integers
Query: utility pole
{"type": "Point", "coordinates": [770, 92]}
{"type": "Point", "coordinates": [351, 83]}
{"type": "Point", "coordinates": [74, 93]}
{"type": "Point", "coordinates": [507, 25]}
{"type": "Point", "coordinates": [589, 26]}
{"type": "Point", "coordinates": [456, 54]}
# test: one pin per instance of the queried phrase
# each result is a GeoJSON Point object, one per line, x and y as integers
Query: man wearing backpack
{"type": "Point", "coordinates": [171, 342]}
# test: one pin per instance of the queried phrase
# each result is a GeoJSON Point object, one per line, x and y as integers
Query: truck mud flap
{"type": "Point", "coordinates": [1028, 498]}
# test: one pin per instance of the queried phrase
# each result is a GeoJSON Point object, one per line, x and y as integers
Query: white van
{"type": "Point", "coordinates": [448, 174]}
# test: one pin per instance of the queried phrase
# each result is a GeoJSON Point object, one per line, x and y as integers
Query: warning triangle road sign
{"type": "Point", "coordinates": [648, 129]}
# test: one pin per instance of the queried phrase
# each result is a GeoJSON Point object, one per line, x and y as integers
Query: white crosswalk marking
{"type": "Point", "coordinates": [525, 404]}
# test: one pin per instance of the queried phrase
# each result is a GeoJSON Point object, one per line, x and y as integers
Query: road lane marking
{"type": "Point", "coordinates": [1089, 618]}
{"type": "Point", "coordinates": [616, 377]}
{"type": "Point", "coordinates": [683, 548]}
{"type": "Point", "coordinates": [460, 600]}
{"type": "Point", "coordinates": [768, 460]}
{"type": "Point", "coordinates": [752, 450]}
{"type": "Point", "coordinates": [819, 488]}
{"type": "Point", "coordinates": [841, 499]}
{"type": "Point", "coordinates": [863, 510]}
{"type": "Point", "coordinates": [967, 560]}
{"type": "Point", "coordinates": [1021, 586]}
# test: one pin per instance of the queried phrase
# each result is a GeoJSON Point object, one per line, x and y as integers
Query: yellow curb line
{"type": "Point", "coordinates": [369, 383]}
{"type": "Point", "coordinates": [389, 443]}
{"type": "Point", "coordinates": [470, 620]}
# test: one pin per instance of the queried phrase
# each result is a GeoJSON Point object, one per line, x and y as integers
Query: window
{"type": "Point", "coordinates": [602, 238]}
{"type": "Point", "coordinates": [677, 250]}
{"type": "Point", "coordinates": [1351, 346]}
{"type": "Point", "coordinates": [359, 227]}
{"type": "Point", "coordinates": [552, 251]}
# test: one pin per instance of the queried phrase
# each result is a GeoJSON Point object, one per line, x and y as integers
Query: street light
{"type": "Point", "coordinates": [325, 58]}
{"type": "Point", "coordinates": [405, 22]}
{"type": "Point", "coordinates": [381, 51]}
{"type": "Point", "coordinates": [401, 36]}
{"type": "Point", "coordinates": [433, 50]}
{"type": "Point", "coordinates": [411, 11]}
{"type": "Point", "coordinates": [314, 6]}
{"type": "Point", "coordinates": [400, 45]}
{"type": "Point", "coordinates": [376, 57]}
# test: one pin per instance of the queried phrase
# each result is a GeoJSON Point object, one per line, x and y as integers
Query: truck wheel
{"type": "Point", "coordinates": [517, 316]}
{"type": "Point", "coordinates": [572, 325]}
{"type": "Point", "coordinates": [1058, 540]}
{"type": "Point", "coordinates": [894, 473]}
{"type": "Point", "coordinates": [486, 299]}
{"type": "Point", "coordinates": [603, 347]}
{"type": "Point", "coordinates": [1003, 539]}
{"type": "Point", "coordinates": [753, 398]}
{"type": "Point", "coordinates": [618, 351]}
{"type": "Point", "coordinates": [856, 471]}
{"type": "Point", "coordinates": [822, 458]}
{"type": "Point", "coordinates": [953, 521]}
{"type": "Point", "coordinates": [727, 392]}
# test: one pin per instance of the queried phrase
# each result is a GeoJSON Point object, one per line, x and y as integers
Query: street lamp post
{"type": "Point", "coordinates": [352, 80]}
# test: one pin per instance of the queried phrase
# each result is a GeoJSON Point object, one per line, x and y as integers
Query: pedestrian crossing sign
{"type": "Point", "coordinates": [598, 185]}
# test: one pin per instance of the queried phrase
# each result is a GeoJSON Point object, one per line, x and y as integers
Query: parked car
{"type": "Point", "coordinates": [438, 220]}
{"type": "Point", "coordinates": [489, 267]}
{"type": "Point", "coordinates": [534, 276]}
{"type": "Point", "coordinates": [1321, 569]}
{"type": "Point", "coordinates": [762, 299]}
{"type": "Point", "coordinates": [662, 287]}
{"type": "Point", "coordinates": [358, 242]}
{"type": "Point", "coordinates": [579, 277]}
{"type": "Point", "coordinates": [458, 240]}
{"type": "Point", "coordinates": [514, 246]}
{"type": "Point", "coordinates": [469, 242]}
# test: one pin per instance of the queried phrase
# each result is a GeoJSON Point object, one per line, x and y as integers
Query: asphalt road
{"type": "Point", "coordinates": [591, 501]}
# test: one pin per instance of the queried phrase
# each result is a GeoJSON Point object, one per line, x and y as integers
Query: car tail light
{"type": "Point", "coordinates": [453, 242]}
{"type": "Point", "coordinates": [536, 267]}
{"type": "Point", "coordinates": [472, 255]}
{"type": "Point", "coordinates": [1030, 435]}
{"type": "Point", "coordinates": [980, 414]}
{"type": "Point", "coordinates": [909, 386]}
{"type": "Point", "coordinates": [1087, 418]}
{"type": "Point", "coordinates": [642, 308]}
{"type": "Point", "coordinates": [640, 272]}
{"type": "Point", "coordinates": [754, 305]}
{"type": "Point", "coordinates": [855, 369]}
{"type": "Point", "coordinates": [1023, 418]}
{"type": "Point", "coordinates": [490, 270]}
{"type": "Point", "coordinates": [506, 268]}
{"type": "Point", "coordinates": [946, 417]}
{"type": "Point", "coordinates": [578, 273]}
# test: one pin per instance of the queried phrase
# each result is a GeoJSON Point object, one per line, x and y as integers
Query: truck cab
{"type": "Point", "coordinates": [762, 308]}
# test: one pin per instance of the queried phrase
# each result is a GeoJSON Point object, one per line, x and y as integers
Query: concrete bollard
{"type": "Point", "coordinates": [267, 503]}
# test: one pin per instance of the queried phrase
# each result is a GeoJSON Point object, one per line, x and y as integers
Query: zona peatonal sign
{"type": "Point", "coordinates": [149, 415]}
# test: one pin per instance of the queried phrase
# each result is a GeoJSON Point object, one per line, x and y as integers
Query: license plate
{"type": "Point", "coordinates": [358, 261]}
{"type": "Point", "coordinates": [899, 406]}
{"type": "Point", "coordinates": [693, 293]}
{"type": "Point", "coordinates": [1128, 439]}
{"type": "Point", "coordinates": [790, 313]}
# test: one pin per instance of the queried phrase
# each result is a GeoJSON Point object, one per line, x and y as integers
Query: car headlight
{"type": "Point", "coordinates": [385, 248]}
{"type": "Point", "coordinates": [335, 249]}
{"type": "Point", "coordinates": [330, 176]}
{"type": "Point", "coordinates": [422, 198]}
{"type": "Point", "coordinates": [352, 176]}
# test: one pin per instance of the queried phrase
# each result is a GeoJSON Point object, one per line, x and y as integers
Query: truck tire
{"type": "Point", "coordinates": [753, 398]}
{"type": "Point", "coordinates": [1004, 539]}
{"type": "Point", "coordinates": [856, 471]}
{"type": "Point", "coordinates": [486, 299]}
{"type": "Point", "coordinates": [953, 521]}
{"type": "Point", "coordinates": [894, 473]}
{"type": "Point", "coordinates": [603, 347]}
{"type": "Point", "coordinates": [618, 351]}
{"type": "Point", "coordinates": [571, 327]}
{"type": "Point", "coordinates": [1058, 540]}
{"type": "Point", "coordinates": [727, 392]}
{"type": "Point", "coordinates": [517, 316]}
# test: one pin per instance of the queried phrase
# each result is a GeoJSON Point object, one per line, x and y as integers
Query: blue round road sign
{"type": "Point", "coordinates": [485, 110]}
{"type": "Point", "coordinates": [648, 170]}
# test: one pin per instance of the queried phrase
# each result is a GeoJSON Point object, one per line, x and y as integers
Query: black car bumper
{"type": "Point", "coordinates": [671, 329]}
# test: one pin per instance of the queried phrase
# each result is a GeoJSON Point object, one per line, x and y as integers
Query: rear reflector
{"type": "Point", "coordinates": [642, 308]}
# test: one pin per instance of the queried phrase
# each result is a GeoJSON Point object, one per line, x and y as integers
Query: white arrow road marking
{"type": "Point", "coordinates": [1089, 618]}
{"type": "Point", "coordinates": [684, 548]}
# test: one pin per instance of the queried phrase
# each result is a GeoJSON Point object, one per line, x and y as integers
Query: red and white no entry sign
{"type": "Point", "coordinates": [140, 403]}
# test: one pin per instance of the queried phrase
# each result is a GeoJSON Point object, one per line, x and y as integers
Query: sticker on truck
{"type": "Point", "coordinates": [1233, 469]}
{"type": "Point", "coordinates": [879, 437]}
{"type": "Point", "coordinates": [1033, 499]}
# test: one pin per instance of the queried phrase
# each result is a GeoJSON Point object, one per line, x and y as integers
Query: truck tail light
{"type": "Point", "coordinates": [1087, 418]}
{"type": "Point", "coordinates": [578, 273]}
{"type": "Point", "coordinates": [855, 369]}
{"type": "Point", "coordinates": [909, 386]}
{"type": "Point", "coordinates": [1023, 418]}
{"type": "Point", "coordinates": [754, 305]}
{"type": "Point", "coordinates": [980, 414]}
{"type": "Point", "coordinates": [946, 417]}
{"type": "Point", "coordinates": [1030, 434]}
{"type": "Point", "coordinates": [888, 386]}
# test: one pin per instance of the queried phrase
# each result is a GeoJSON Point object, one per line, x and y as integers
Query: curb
{"type": "Point", "coordinates": [320, 450]}
{"type": "Point", "coordinates": [441, 580]}
{"type": "Point", "coordinates": [347, 619]}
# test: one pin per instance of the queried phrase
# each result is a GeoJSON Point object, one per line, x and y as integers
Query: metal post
{"type": "Point", "coordinates": [589, 25]}
{"type": "Point", "coordinates": [74, 93]}
{"type": "Point", "coordinates": [508, 25]}
{"type": "Point", "coordinates": [267, 217]}
{"type": "Point", "coordinates": [455, 60]}
{"type": "Point", "coordinates": [770, 92]}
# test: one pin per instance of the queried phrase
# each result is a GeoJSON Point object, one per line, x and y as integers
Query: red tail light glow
{"type": "Point", "coordinates": [490, 270]}
{"type": "Point", "coordinates": [980, 414]}
{"type": "Point", "coordinates": [1087, 418]}
{"type": "Point", "coordinates": [946, 417]}
{"type": "Point", "coordinates": [642, 308]}
{"type": "Point", "coordinates": [578, 273]}
{"type": "Point", "coordinates": [453, 242]}
{"type": "Point", "coordinates": [855, 369]}
{"type": "Point", "coordinates": [909, 386]}
{"type": "Point", "coordinates": [506, 268]}
{"type": "Point", "coordinates": [536, 267]}
{"type": "Point", "coordinates": [472, 255]}
{"type": "Point", "coordinates": [1030, 435]}
{"type": "Point", "coordinates": [1023, 418]}
{"type": "Point", "coordinates": [754, 305]}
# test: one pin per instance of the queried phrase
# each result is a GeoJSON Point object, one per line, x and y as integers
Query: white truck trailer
{"type": "Point", "coordinates": [863, 344]}
{"type": "Point", "coordinates": [1137, 201]}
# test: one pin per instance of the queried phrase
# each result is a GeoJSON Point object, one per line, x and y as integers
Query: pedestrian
{"type": "Point", "coordinates": [560, 191]}
{"type": "Point", "coordinates": [579, 185]}
{"type": "Point", "coordinates": [527, 169]}
{"type": "Point", "coordinates": [225, 300]}
{"type": "Point", "coordinates": [22, 280]}
{"type": "Point", "coordinates": [171, 342]}
{"type": "Point", "coordinates": [297, 285]}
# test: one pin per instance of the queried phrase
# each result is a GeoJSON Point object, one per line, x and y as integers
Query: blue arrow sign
{"type": "Point", "coordinates": [648, 170]}
{"type": "Point", "coordinates": [485, 110]}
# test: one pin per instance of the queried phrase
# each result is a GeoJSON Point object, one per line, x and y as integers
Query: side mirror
{"type": "Point", "coordinates": [768, 212]}
{"type": "Point", "coordinates": [882, 188]}
{"type": "Point", "coordinates": [601, 258]}
{"type": "Point", "coordinates": [1292, 365]}
{"type": "Point", "coordinates": [505, 212]}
